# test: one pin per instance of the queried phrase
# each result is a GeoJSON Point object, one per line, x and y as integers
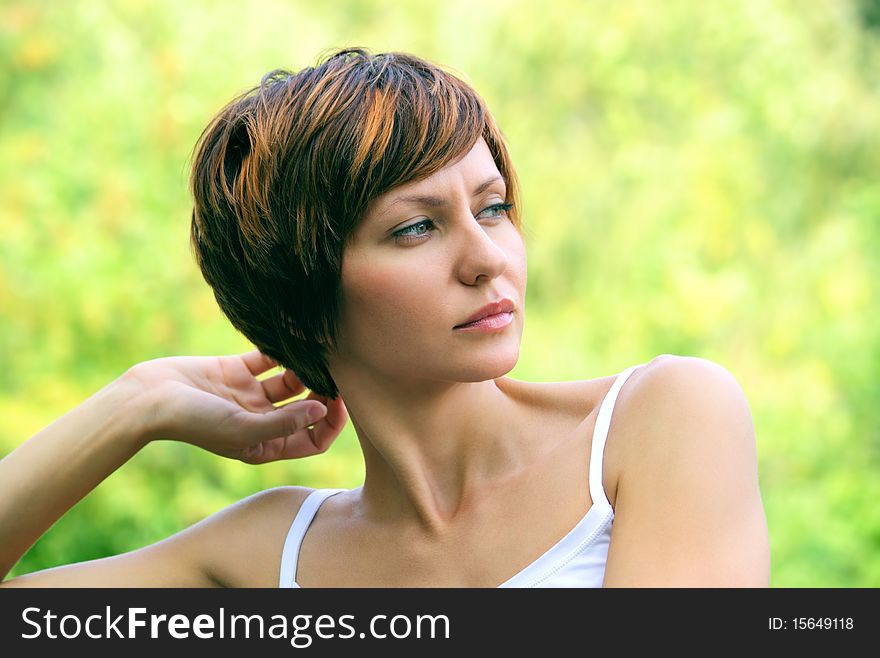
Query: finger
{"type": "Point", "coordinates": [282, 422]}
{"type": "Point", "coordinates": [312, 440]}
{"type": "Point", "coordinates": [315, 438]}
{"type": "Point", "coordinates": [328, 428]}
{"type": "Point", "coordinates": [282, 386]}
{"type": "Point", "coordinates": [290, 447]}
{"type": "Point", "coordinates": [257, 362]}
{"type": "Point", "coordinates": [337, 414]}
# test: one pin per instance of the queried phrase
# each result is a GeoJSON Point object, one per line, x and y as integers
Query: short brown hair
{"type": "Point", "coordinates": [284, 172]}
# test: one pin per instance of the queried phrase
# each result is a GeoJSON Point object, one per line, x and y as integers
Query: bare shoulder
{"type": "Point", "coordinates": [674, 396]}
{"type": "Point", "coordinates": [686, 376]}
{"type": "Point", "coordinates": [688, 508]}
{"type": "Point", "coordinates": [242, 543]}
{"type": "Point", "coordinates": [672, 408]}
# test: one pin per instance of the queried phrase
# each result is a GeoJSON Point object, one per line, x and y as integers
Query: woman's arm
{"type": "Point", "coordinates": [213, 402]}
{"type": "Point", "coordinates": [59, 465]}
{"type": "Point", "coordinates": [688, 511]}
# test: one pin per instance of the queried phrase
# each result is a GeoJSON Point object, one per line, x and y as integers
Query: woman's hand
{"type": "Point", "coordinates": [217, 403]}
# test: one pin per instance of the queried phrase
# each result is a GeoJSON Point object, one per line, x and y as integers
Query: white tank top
{"type": "Point", "coordinates": [576, 560]}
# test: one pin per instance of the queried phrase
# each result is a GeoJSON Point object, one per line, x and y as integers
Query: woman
{"type": "Point", "coordinates": [358, 223]}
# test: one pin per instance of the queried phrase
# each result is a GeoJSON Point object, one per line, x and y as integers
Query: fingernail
{"type": "Point", "coordinates": [316, 413]}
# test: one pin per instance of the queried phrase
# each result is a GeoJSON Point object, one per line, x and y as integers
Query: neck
{"type": "Point", "coordinates": [431, 450]}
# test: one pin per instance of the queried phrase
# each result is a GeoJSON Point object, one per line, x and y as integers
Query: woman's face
{"type": "Point", "coordinates": [415, 269]}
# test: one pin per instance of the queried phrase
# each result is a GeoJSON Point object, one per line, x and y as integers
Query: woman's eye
{"type": "Point", "coordinates": [414, 232]}
{"type": "Point", "coordinates": [500, 207]}
{"type": "Point", "coordinates": [411, 233]}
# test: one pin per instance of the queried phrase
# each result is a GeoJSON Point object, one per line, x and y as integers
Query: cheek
{"type": "Point", "coordinates": [383, 295]}
{"type": "Point", "coordinates": [515, 247]}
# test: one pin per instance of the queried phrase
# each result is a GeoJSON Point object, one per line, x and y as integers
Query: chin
{"type": "Point", "coordinates": [482, 367]}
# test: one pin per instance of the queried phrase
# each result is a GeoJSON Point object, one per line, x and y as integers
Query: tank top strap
{"type": "Point", "coordinates": [301, 523]}
{"type": "Point", "coordinates": [600, 434]}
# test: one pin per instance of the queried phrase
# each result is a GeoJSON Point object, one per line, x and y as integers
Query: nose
{"type": "Point", "coordinates": [479, 253]}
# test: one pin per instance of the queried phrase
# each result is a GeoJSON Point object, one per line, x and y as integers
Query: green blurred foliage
{"type": "Point", "coordinates": [699, 178]}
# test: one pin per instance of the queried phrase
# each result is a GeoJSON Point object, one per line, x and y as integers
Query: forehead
{"type": "Point", "coordinates": [475, 170]}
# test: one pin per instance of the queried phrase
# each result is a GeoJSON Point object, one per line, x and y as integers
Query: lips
{"type": "Point", "coordinates": [503, 305]}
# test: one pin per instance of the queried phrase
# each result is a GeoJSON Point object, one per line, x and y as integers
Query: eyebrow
{"type": "Point", "coordinates": [436, 202]}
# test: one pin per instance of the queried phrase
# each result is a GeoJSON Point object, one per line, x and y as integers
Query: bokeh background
{"type": "Point", "coordinates": [699, 178]}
